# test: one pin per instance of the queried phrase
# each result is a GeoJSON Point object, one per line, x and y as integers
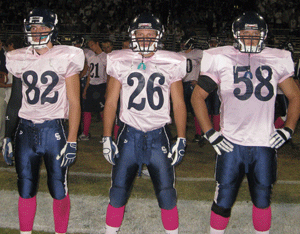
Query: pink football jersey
{"type": "Point", "coordinates": [247, 90]}
{"type": "Point", "coordinates": [193, 59]}
{"type": "Point", "coordinates": [43, 80]}
{"type": "Point", "coordinates": [97, 64]}
{"type": "Point", "coordinates": [88, 52]}
{"type": "Point", "coordinates": [145, 92]}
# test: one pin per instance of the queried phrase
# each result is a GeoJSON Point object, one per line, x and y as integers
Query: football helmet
{"type": "Point", "coordinates": [44, 17]}
{"type": "Point", "coordinates": [287, 45]}
{"type": "Point", "coordinates": [187, 43]}
{"type": "Point", "coordinates": [249, 21]}
{"type": "Point", "coordinates": [77, 40]}
{"type": "Point", "coordinates": [145, 45]}
{"type": "Point", "coordinates": [213, 41]}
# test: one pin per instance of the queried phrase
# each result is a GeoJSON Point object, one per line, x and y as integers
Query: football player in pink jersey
{"type": "Point", "coordinates": [95, 87]}
{"type": "Point", "coordinates": [45, 94]}
{"type": "Point", "coordinates": [144, 78]}
{"type": "Point", "coordinates": [247, 75]}
{"type": "Point", "coordinates": [193, 59]}
{"type": "Point", "coordinates": [213, 101]}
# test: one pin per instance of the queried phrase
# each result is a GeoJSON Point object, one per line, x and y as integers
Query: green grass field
{"type": "Point", "coordinates": [198, 162]}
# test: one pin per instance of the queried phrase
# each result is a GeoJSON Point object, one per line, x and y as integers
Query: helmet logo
{"type": "Point", "coordinates": [36, 20]}
{"type": "Point", "coordinates": [251, 26]}
{"type": "Point", "coordinates": [145, 25]}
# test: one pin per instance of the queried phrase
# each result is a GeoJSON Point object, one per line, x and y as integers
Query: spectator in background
{"type": "Point", "coordinates": [3, 86]}
{"type": "Point", "coordinates": [14, 42]}
{"type": "Point", "coordinates": [126, 44]}
{"type": "Point", "coordinates": [107, 46]}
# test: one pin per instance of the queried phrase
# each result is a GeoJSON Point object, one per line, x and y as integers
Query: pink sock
{"type": "Point", "coordinates": [279, 123]}
{"type": "Point", "coordinates": [116, 129]}
{"type": "Point", "coordinates": [170, 218]}
{"type": "Point", "coordinates": [261, 218]}
{"type": "Point", "coordinates": [216, 122]}
{"type": "Point", "coordinates": [218, 222]}
{"type": "Point", "coordinates": [27, 209]}
{"type": "Point", "coordinates": [87, 119]}
{"type": "Point", "coordinates": [114, 216]}
{"type": "Point", "coordinates": [61, 212]}
{"type": "Point", "coordinates": [197, 126]}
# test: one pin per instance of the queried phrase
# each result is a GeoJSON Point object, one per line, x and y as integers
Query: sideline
{"type": "Point", "coordinates": [185, 179]}
{"type": "Point", "coordinates": [143, 215]}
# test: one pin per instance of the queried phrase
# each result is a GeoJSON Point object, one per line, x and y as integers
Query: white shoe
{"type": "Point", "coordinates": [111, 230]}
{"type": "Point", "coordinates": [172, 232]}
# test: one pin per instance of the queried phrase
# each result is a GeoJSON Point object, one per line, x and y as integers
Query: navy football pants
{"type": "Point", "coordinates": [137, 148]}
{"type": "Point", "coordinates": [260, 166]}
{"type": "Point", "coordinates": [35, 142]}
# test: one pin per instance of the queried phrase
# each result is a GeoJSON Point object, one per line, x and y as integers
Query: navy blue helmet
{"type": "Point", "coordinates": [45, 17]}
{"type": "Point", "coordinates": [147, 44]}
{"type": "Point", "coordinates": [249, 21]}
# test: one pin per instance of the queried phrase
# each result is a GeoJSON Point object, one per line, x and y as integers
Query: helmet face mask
{"type": "Point", "coordinates": [145, 33]}
{"type": "Point", "coordinates": [145, 41]}
{"type": "Point", "coordinates": [250, 32]}
{"type": "Point", "coordinates": [44, 19]}
{"type": "Point", "coordinates": [213, 42]}
{"type": "Point", "coordinates": [250, 41]}
{"type": "Point", "coordinates": [187, 44]}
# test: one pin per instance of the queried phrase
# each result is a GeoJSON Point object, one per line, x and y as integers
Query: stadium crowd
{"type": "Point", "coordinates": [93, 16]}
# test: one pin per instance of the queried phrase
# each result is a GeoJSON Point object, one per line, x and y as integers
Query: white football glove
{"type": "Point", "coordinates": [110, 150]}
{"type": "Point", "coordinates": [178, 150]}
{"type": "Point", "coordinates": [280, 136]}
{"type": "Point", "coordinates": [218, 141]}
{"type": "Point", "coordinates": [68, 153]}
{"type": "Point", "coordinates": [7, 151]}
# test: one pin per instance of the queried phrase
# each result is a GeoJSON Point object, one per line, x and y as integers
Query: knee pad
{"type": "Point", "coordinates": [167, 198]}
{"type": "Point", "coordinates": [261, 196]}
{"type": "Point", "coordinates": [57, 189]}
{"type": "Point", "coordinates": [118, 196]}
{"type": "Point", "coordinates": [226, 195]}
{"type": "Point", "coordinates": [27, 188]}
{"type": "Point", "coordinates": [224, 212]}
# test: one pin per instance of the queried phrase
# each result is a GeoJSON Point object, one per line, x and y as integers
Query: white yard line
{"type": "Point", "coordinates": [142, 216]}
{"type": "Point", "coordinates": [187, 179]}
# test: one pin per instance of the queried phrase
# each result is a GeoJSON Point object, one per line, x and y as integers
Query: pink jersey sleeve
{"type": "Point", "coordinates": [179, 68]}
{"type": "Point", "coordinates": [209, 63]}
{"type": "Point", "coordinates": [15, 61]}
{"type": "Point", "coordinates": [76, 61]}
{"type": "Point", "coordinates": [286, 63]}
{"type": "Point", "coordinates": [116, 62]}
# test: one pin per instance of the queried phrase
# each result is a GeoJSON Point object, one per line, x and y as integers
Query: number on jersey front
{"type": "Point", "coordinates": [250, 89]}
{"type": "Point", "coordinates": [33, 92]}
{"type": "Point", "coordinates": [150, 89]}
